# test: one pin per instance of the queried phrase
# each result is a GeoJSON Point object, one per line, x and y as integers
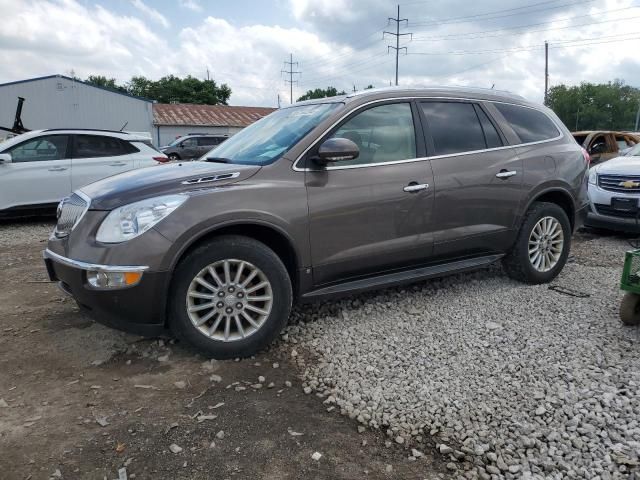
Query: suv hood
{"type": "Point", "coordinates": [135, 185]}
{"type": "Point", "coordinates": [620, 166]}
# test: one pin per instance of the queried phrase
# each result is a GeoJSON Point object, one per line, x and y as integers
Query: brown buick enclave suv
{"type": "Point", "coordinates": [321, 199]}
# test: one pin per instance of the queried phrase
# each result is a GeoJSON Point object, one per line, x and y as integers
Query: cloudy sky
{"type": "Point", "coordinates": [336, 42]}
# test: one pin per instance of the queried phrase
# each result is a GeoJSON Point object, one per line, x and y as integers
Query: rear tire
{"type": "Point", "coordinates": [174, 156]}
{"type": "Point", "coordinates": [542, 245]}
{"type": "Point", "coordinates": [630, 309]}
{"type": "Point", "coordinates": [238, 288]}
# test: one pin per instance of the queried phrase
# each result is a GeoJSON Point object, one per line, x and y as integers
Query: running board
{"type": "Point", "coordinates": [399, 278]}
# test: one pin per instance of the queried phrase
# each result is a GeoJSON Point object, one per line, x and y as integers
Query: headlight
{"type": "Point", "coordinates": [131, 220]}
{"type": "Point", "coordinates": [593, 177]}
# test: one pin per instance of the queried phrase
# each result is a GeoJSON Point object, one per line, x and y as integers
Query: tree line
{"type": "Point", "coordinates": [169, 89]}
{"type": "Point", "coordinates": [590, 106]}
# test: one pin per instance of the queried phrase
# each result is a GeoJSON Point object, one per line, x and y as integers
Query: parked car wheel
{"type": "Point", "coordinates": [542, 245]}
{"type": "Point", "coordinates": [630, 309]}
{"type": "Point", "coordinates": [174, 157]}
{"type": "Point", "coordinates": [230, 297]}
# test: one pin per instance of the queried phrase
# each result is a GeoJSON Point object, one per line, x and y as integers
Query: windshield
{"type": "Point", "coordinates": [634, 151]}
{"type": "Point", "coordinates": [175, 142]}
{"type": "Point", "coordinates": [270, 137]}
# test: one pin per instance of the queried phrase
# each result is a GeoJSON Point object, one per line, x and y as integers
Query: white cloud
{"type": "Point", "coordinates": [151, 12]}
{"type": "Point", "coordinates": [191, 5]}
{"type": "Point", "coordinates": [332, 48]}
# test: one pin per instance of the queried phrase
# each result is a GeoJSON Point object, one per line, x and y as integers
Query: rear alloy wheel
{"type": "Point", "coordinates": [546, 243]}
{"type": "Point", "coordinates": [542, 245]}
{"type": "Point", "coordinates": [173, 157]}
{"type": "Point", "coordinates": [230, 297]}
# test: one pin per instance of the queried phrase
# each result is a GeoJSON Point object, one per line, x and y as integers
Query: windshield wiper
{"type": "Point", "coordinates": [218, 160]}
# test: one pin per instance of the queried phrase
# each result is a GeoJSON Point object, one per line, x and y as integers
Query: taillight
{"type": "Point", "coordinates": [587, 157]}
{"type": "Point", "coordinates": [163, 159]}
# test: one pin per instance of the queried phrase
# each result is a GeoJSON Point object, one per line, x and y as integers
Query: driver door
{"type": "Point", "coordinates": [189, 148]}
{"type": "Point", "coordinates": [363, 218]}
{"type": "Point", "coordinates": [39, 172]}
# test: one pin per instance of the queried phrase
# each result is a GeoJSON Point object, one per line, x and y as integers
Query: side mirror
{"type": "Point", "coordinates": [5, 158]}
{"type": "Point", "coordinates": [337, 150]}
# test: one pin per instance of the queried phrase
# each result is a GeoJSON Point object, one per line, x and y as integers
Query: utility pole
{"type": "Point", "coordinates": [637, 117]}
{"type": "Point", "coordinates": [291, 73]}
{"type": "Point", "coordinates": [546, 72]}
{"type": "Point", "coordinates": [354, 91]}
{"type": "Point", "coordinates": [207, 74]}
{"type": "Point", "coordinates": [397, 34]}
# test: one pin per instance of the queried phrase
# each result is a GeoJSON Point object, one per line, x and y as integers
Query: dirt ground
{"type": "Point", "coordinates": [81, 401]}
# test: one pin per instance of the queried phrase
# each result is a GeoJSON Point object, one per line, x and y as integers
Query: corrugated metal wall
{"type": "Point", "coordinates": [59, 102]}
{"type": "Point", "coordinates": [168, 133]}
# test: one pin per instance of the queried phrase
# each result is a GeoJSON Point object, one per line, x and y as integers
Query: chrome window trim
{"type": "Point", "coordinates": [92, 266]}
{"type": "Point", "coordinates": [432, 157]}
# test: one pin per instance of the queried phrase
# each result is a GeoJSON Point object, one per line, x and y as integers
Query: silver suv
{"type": "Point", "coordinates": [191, 146]}
{"type": "Point", "coordinates": [321, 199]}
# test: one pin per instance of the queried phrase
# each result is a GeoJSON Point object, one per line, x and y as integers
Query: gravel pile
{"type": "Point", "coordinates": [506, 380]}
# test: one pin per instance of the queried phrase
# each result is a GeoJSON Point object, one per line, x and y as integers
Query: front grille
{"type": "Point", "coordinates": [619, 183]}
{"type": "Point", "coordinates": [612, 212]}
{"type": "Point", "coordinates": [70, 212]}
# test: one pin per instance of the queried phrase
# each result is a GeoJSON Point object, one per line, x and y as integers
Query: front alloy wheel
{"type": "Point", "coordinates": [230, 297]}
{"type": "Point", "coordinates": [229, 300]}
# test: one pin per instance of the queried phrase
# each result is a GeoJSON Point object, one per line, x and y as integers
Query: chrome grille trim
{"type": "Point", "coordinates": [612, 183]}
{"type": "Point", "coordinates": [70, 212]}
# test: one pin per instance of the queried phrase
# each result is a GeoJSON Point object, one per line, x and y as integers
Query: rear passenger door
{"type": "Point", "coordinates": [205, 144]}
{"type": "Point", "coordinates": [478, 179]}
{"type": "Point", "coordinates": [95, 157]}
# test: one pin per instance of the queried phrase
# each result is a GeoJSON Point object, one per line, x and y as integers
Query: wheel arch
{"type": "Point", "coordinates": [270, 235]}
{"type": "Point", "coordinates": [559, 196]}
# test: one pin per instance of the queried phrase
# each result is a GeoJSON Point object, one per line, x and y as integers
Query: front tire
{"type": "Point", "coordinates": [542, 246]}
{"type": "Point", "coordinates": [630, 309]}
{"type": "Point", "coordinates": [230, 297]}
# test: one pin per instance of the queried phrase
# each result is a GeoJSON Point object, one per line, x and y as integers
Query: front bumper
{"type": "Point", "coordinates": [139, 309]}
{"type": "Point", "coordinates": [612, 223]}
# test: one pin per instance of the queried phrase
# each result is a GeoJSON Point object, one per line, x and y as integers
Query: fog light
{"type": "Point", "coordinates": [101, 279]}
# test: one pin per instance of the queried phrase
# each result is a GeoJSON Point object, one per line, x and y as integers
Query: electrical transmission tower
{"type": "Point", "coordinates": [291, 73]}
{"type": "Point", "coordinates": [397, 34]}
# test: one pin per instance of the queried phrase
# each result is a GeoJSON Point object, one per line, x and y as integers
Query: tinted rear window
{"type": "Point", "coordinates": [529, 124]}
{"type": "Point", "coordinates": [208, 141]}
{"type": "Point", "coordinates": [454, 127]}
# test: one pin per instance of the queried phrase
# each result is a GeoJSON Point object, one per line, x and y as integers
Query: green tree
{"type": "Point", "coordinates": [320, 93]}
{"type": "Point", "coordinates": [588, 106]}
{"type": "Point", "coordinates": [180, 90]}
{"type": "Point", "coordinates": [102, 81]}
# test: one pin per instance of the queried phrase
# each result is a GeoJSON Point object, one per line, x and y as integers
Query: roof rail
{"type": "Point", "coordinates": [505, 93]}
{"type": "Point", "coordinates": [85, 130]}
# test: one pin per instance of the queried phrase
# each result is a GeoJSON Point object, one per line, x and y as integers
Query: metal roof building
{"type": "Point", "coordinates": [177, 119]}
{"type": "Point", "coordinates": [57, 101]}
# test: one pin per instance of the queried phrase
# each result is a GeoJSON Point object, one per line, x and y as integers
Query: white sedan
{"type": "Point", "coordinates": [614, 193]}
{"type": "Point", "coordinates": [40, 168]}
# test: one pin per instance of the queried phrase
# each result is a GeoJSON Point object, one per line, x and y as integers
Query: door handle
{"type": "Point", "coordinates": [57, 169]}
{"type": "Point", "coordinates": [415, 187]}
{"type": "Point", "coordinates": [504, 174]}
{"type": "Point", "coordinates": [117, 164]}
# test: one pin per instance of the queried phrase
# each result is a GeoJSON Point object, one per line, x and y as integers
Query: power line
{"type": "Point", "coordinates": [524, 48]}
{"type": "Point", "coordinates": [494, 15]}
{"type": "Point", "coordinates": [397, 48]}
{"type": "Point", "coordinates": [479, 34]}
{"type": "Point", "coordinates": [291, 73]}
